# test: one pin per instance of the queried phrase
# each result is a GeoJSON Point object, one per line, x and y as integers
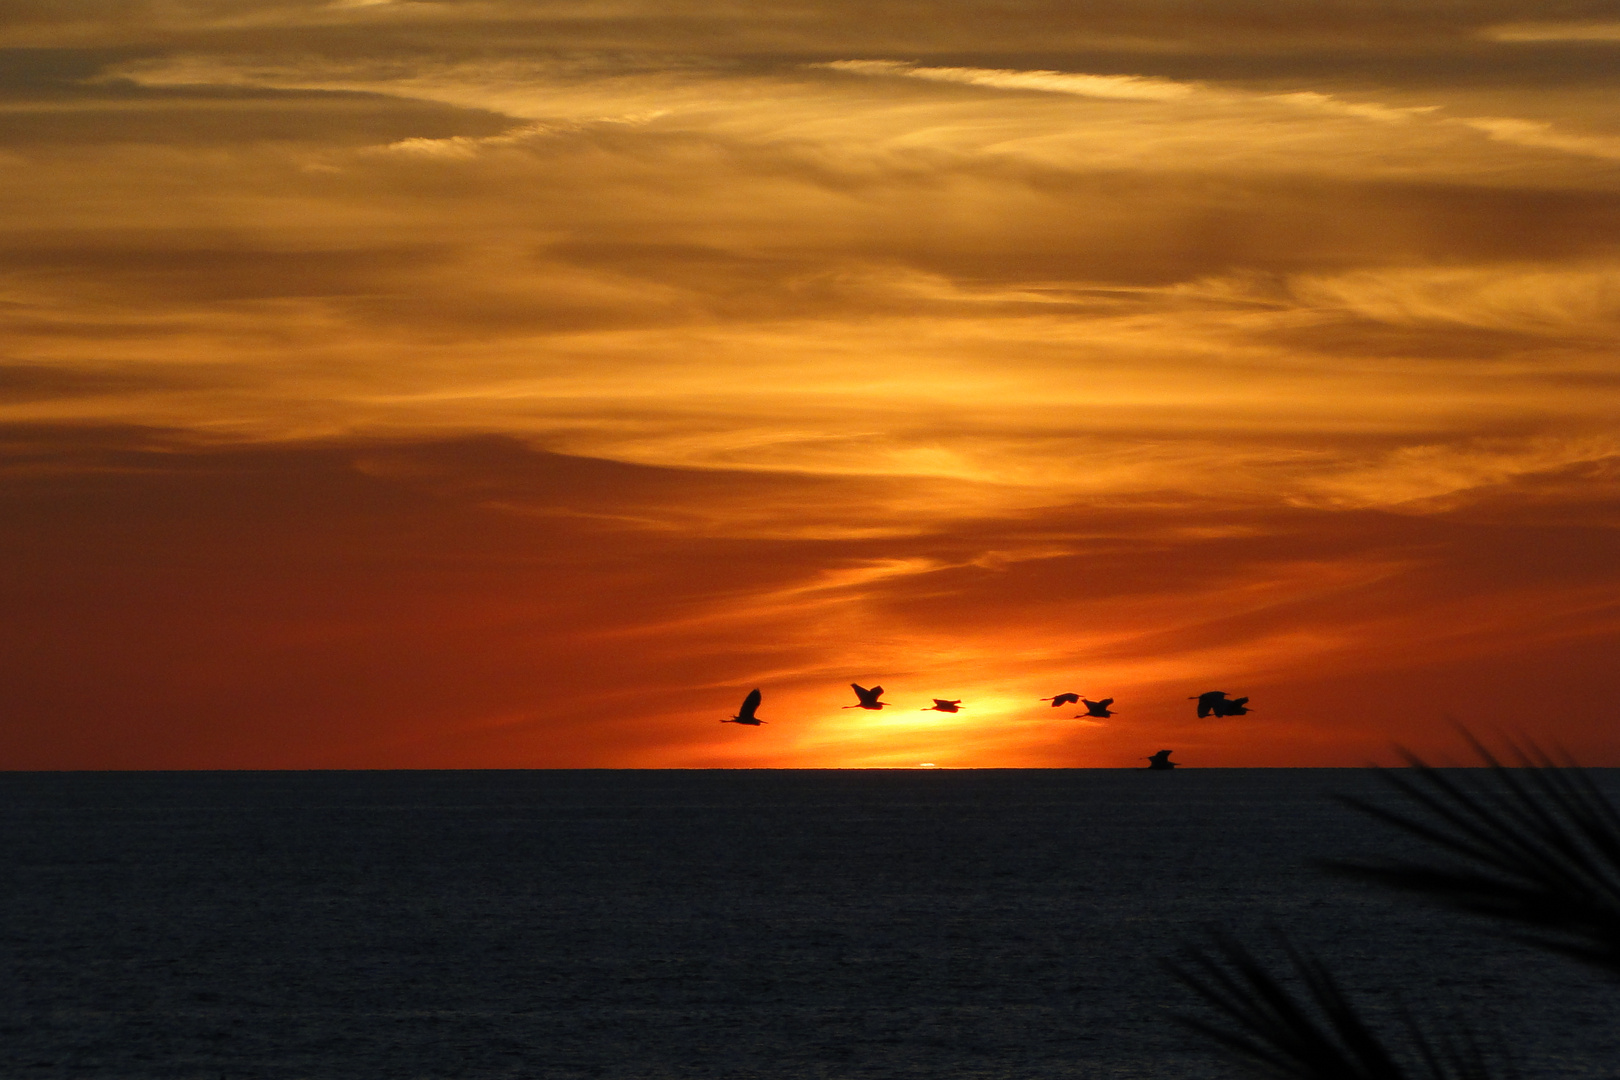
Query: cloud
{"type": "Point", "coordinates": [1122, 87]}
{"type": "Point", "coordinates": [370, 602]}
{"type": "Point", "coordinates": [1428, 478]}
{"type": "Point", "coordinates": [1542, 135]}
{"type": "Point", "coordinates": [683, 351]}
{"type": "Point", "coordinates": [1312, 100]}
{"type": "Point", "coordinates": [1142, 27]}
{"type": "Point", "coordinates": [1554, 31]}
{"type": "Point", "coordinates": [1550, 299]}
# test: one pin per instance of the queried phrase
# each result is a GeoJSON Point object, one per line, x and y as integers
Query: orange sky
{"type": "Point", "coordinates": [457, 384]}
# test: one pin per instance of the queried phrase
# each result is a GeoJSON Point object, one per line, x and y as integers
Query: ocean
{"type": "Point", "coordinates": [696, 924]}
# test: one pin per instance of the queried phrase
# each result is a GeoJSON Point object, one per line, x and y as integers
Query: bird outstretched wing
{"type": "Point", "coordinates": [869, 698]}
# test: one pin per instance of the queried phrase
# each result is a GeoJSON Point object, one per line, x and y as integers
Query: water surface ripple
{"type": "Point", "coordinates": [736, 924]}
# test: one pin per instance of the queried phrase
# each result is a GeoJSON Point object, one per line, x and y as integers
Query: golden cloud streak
{"type": "Point", "coordinates": [718, 347]}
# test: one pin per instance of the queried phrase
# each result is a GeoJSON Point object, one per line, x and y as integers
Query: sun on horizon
{"type": "Point", "coordinates": [487, 385]}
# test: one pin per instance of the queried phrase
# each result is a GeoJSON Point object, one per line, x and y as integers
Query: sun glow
{"type": "Point", "coordinates": [442, 384]}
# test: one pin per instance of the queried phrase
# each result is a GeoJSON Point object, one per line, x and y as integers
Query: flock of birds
{"type": "Point", "coordinates": [1210, 703]}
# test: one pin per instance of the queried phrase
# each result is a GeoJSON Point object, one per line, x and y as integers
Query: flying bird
{"type": "Point", "coordinates": [1098, 709]}
{"type": "Point", "coordinates": [1062, 699]}
{"type": "Point", "coordinates": [869, 698]}
{"type": "Point", "coordinates": [940, 705]}
{"type": "Point", "coordinates": [1216, 702]}
{"type": "Point", "coordinates": [745, 715]}
{"type": "Point", "coordinates": [1161, 761]}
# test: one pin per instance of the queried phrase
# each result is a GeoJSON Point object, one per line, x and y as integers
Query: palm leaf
{"type": "Point", "coordinates": [1536, 846]}
{"type": "Point", "coordinates": [1314, 1032]}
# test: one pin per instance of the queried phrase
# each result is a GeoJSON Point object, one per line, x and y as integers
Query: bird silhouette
{"type": "Point", "coordinates": [1097, 709]}
{"type": "Point", "coordinates": [1161, 761]}
{"type": "Point", "coordinates": [941, 705]}
{"type": "Point", "coordinates": [745, 715]}
{"type": "Point", "coordinates": [869, 698]}
{"type": "Point", "coordinates": [1216, 702]}
{"type": "Point", "coordinates": [1062, 699]}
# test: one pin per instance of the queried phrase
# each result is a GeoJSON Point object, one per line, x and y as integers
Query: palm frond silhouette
{"type": "Point", "coordinates": [1315, 1033]}
{"type": "Point", "coordinates": [1534, 846]}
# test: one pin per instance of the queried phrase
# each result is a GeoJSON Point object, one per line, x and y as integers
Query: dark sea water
{"type": "Point", "coordinates": [780, 924]}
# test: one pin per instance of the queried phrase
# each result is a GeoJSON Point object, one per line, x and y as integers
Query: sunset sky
{"type": "Point", "coordinates": [486, 383]}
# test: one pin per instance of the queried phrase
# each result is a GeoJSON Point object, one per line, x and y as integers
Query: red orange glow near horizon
{"type": "Point", "coordinates": [492, 384]}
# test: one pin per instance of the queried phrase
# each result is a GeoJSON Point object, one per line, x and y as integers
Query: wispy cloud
{"type": "Point", "coordinates": [1123, 87]}
{"type": "Point", "coordinates": [721, 346]}
{"type": "Point", "coordinates": [1552, 300]}
{"type": "Point", "coordinates": [1543, 135]}
{"type": "Point", "coordinates": [1554, 31]}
